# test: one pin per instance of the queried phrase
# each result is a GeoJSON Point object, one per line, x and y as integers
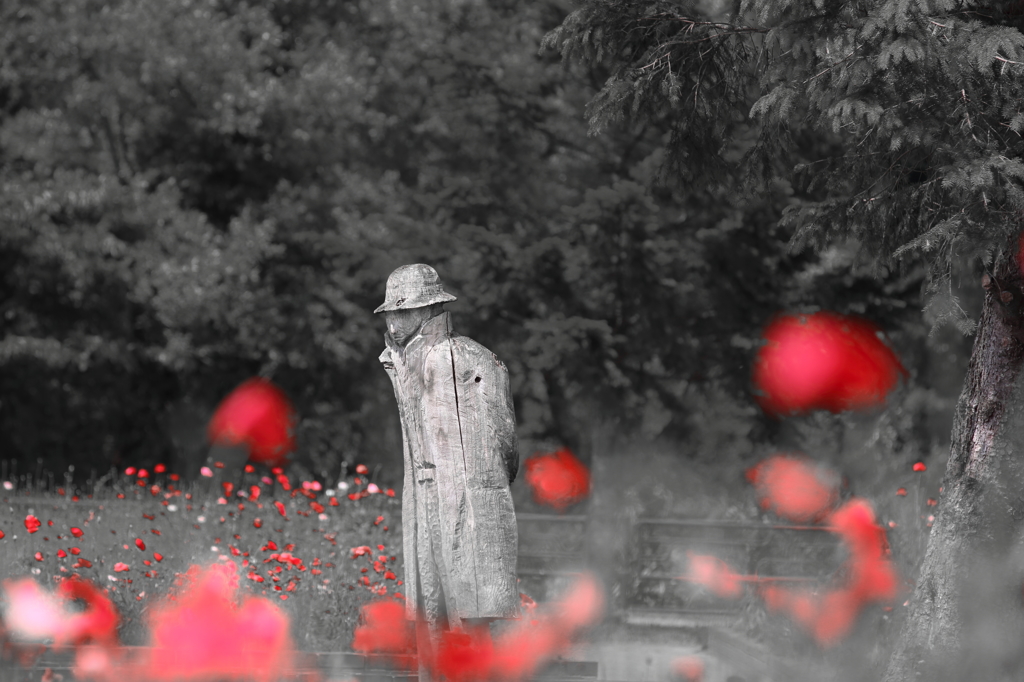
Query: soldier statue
{"type": "Point", "coordinates": [461, 455]}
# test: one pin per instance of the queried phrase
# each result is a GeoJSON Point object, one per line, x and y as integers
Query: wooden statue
{"type": "Point", "coordinates": [461, 453]}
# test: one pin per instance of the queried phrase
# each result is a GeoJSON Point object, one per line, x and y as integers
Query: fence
{"type": "Point", "coordinates": [649, 584]}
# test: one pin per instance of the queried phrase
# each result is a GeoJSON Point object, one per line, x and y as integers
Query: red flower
{"type": "Point", "coordinates": [120, 567]}
{"type": "Point", "coordinates": [361, 469]}
{"type": "Point", "coordinates": [280, 508]}
{"type": "Point", "coordinates": [98, 623]}
{"type": "Point", "coordinates": [205, 634]}
{"type": "Point", "coordinates": [823, 361]}
{"type": "Point", "coordinates": [716, 575]}
{"type": "Point", "coordinates": [77, 532]}
{"type": "Point", "coordinates": [158, 556]}
{"type": "Point", "coordinates": [140, 544]}
{"type": "Point", "coordinates": [61, 554]}
{"type": "Point", "coordinates": [558, 479]}
{"type": "Point", "coordinates": [257, 413]}
{"type": "Point", "coordinates": [919, 466]}
{"type": "Point", "coordinates": [32, 524]}
{"type": "Point", "coordinates": [383, 629]}
{"type": "Point", "coordinates": [689, 668]}
{"type": "Point", "coordinates": [39, 556]}
{"type": "Point", "coordinates": [793, 487]}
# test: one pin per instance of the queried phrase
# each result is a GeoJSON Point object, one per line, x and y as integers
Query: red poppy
{"type": "Point", "coordinates": [77, 532]}
{"type": "Point", "coordinates": [793, 487]}
{"type": "Point", "coordinates": [558, 479]}
{"type": "Point", "coordinates": [203, 633]}
{"type": "Point", "coordinates": [689, 668]}
{"type": "Point", "coordinates": [32, 524]}
{"type": "Point", "coordinates": [871, 578]}
{"type": "Point", "coordinates": [257, 414]}
{"type": "Point", "coordinates": [919, 466]}
{"type": "Point", "coordinates": [99, 621]}
{"type": "Point", "coordinates": [823, 361]}
{"type": "Point", "coordinates": [140, 544]}
{"type": "Point", "coordinates": [383, 629]}
{"type": "Point", "coordinates": [716, 575]}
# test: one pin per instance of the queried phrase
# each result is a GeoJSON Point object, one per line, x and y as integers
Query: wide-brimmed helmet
{"type": "Point", "coordinates": [413, 286]}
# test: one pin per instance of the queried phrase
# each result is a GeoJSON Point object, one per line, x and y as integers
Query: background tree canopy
{"type": "Point", "coordinates": [198, 191]}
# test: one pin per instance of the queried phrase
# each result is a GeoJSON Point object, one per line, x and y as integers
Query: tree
{"type": "Point", "coordinates": [197, 192]}
{"type": "Point", "coordinates": [898, 125]}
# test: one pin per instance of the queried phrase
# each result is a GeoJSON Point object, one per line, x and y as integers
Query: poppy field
{"type": "Point", "coordinates": [318, 555]}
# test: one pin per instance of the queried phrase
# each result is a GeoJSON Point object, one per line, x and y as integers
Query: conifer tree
{"type": "Point", "coordinates": [898, 125]}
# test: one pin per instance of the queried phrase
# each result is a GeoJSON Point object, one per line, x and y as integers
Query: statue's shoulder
{"type": "Point", "coordinates": [473, 353]}
{"type": "Point", "coordinates": [466, 352]}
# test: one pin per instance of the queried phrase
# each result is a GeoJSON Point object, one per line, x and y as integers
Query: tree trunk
{"type": "Point", "coordinates": [964, 620]}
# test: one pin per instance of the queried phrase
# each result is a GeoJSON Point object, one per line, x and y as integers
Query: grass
{"type": "Point", "coordinates": [189, 525]}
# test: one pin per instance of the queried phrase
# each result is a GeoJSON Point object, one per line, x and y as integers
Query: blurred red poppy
{"type": "Point", "coordinates": [203, 634]}
{"type": "Point", "coordinates": [34, 614]}
{"type": "Point", "coordinates": [97, 623]}
{"type": "Point", "coordinates": [823, 361]}
{"type": "Point", "coordinates": [464, 656]}
{"type": "Point", "coordinates": [383, 629]}
{"type": "Point", "coordinates": [716, 575]}
{"type": "Point", "coordinates": [258, 415]}
{"type": "Point", "coordinates": [558, 479]}
{"type": "Point", "coordinates": [793, 487]}
{"type": "Point", "coordinates": [689, 668]}
{"type": "Point", "coordinates": [871, 577]}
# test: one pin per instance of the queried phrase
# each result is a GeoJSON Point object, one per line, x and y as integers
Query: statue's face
{"type": "Point", "coordinates": [403, 324]}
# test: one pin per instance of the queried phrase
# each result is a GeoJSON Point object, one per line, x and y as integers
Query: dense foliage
{"type": "Point", "coordinates": [897, 125]}
{"type": "Point", "coordinates": [199, 191]}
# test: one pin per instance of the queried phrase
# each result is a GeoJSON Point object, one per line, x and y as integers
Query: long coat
{"type": "Point", "coordinates": [458, 428]}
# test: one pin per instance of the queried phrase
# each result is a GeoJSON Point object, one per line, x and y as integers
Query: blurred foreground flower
{"type": "Point", "coordinates": [716, 575]}
{"type": "Point", "coordinates": [33, 614]}
{"type": "Point", "coordinates": [256, 414]}
{"type": "Point", "coordinates": [203, 634]}
{"type": "Point", "coordinates": [473, 656]}
{"type": "Point", "coordinates": [558, 479]}
{"type": "Point", "coordinates": [383, 629]}
{"type": "Point", "coordinates": [870, 577]}
{"type": "Point", "coordinates": [794, 487]}
{"type": "Point", "coordinates": [823, 361]}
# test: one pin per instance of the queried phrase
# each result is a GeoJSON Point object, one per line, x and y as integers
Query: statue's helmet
{"type": "Point", "coordinates": [413, 286]}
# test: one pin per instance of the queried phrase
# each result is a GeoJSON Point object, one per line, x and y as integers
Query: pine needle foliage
{"type": "Point", "coordinates": [915, 110]}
